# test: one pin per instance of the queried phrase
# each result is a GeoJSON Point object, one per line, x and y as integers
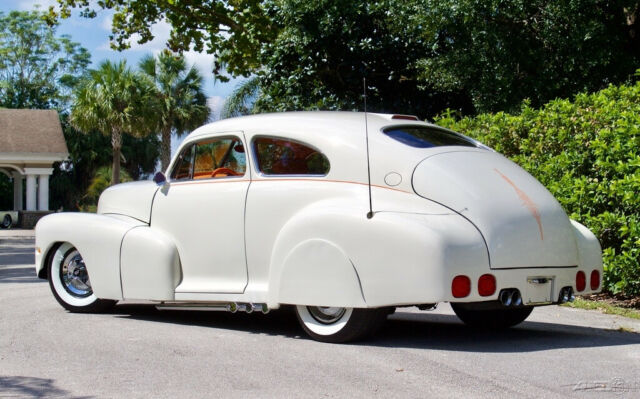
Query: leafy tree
{"type": "Point", "coordinates": [501, 52]}
{"type": "Point", "coordinates": [324, 49]}
{"type": "Point", "coordinates": [419, 56]}
{"type": "Point", "coordinates": [181, 105]}
{"type": "Point", "coordinates": [233, 30]}
{"type": "Point", "coordinates": [37, 68]}
{"type": "Point", "coordinates": [114, 100]}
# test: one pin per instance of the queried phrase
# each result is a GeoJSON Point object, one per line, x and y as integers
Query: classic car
{"type": "Point", "coordinates": [8, 219]}
{"type": "Point", "coordinates": [343, 215]}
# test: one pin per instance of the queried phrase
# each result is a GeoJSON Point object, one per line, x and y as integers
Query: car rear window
{"type": "Point", "coordinates": [426, 137]}
{"type": "Point", "coordinates": [277, 156]}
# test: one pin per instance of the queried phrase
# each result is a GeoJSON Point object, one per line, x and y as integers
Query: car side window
{"type": "Point", "coordinates": [286, 157]}
{"type": "Point", "coordinates": [212, 159]}
{"type": "Point", "coordinates": [182, 169]}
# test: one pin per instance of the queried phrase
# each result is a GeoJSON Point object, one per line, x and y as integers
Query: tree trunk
{"type": "Point", "coordinates": [116, 144]}
{"type": "Point", "coordinates": [166, 148]}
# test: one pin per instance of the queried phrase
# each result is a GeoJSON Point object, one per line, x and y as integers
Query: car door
{"type": "Point", "coordinates": [202, 209]}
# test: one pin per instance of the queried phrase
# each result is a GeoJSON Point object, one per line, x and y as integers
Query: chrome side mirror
{"type": "Point", "coordinates": [160, 178]}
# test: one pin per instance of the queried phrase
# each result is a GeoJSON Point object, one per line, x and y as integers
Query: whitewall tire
{"type": "Point", "coordinates": [70, 284]}
{"type": "Point", "coordinates": [333, 324]}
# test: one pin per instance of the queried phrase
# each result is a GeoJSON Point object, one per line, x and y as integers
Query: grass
{"type": "Point", "coordinates": [604, 307]}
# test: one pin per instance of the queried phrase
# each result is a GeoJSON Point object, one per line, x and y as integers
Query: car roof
{"type": "Point", "coordinates": [338, 123]}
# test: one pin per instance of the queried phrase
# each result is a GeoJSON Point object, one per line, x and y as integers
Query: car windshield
{"type": "Point", "coordinates": [426, 137]}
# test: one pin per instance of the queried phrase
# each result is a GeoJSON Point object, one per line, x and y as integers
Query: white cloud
{"type": "Point", "coordinates": [30, 4]}
{"type": "Point", "coordinates": [215, 104]}
{"type": "Point", "coordinates": [202, 61]}
{"type": "Point", "coordinates": [106, 23]}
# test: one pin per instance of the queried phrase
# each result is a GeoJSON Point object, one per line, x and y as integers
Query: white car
{"type": "Point", "coordinates": [343, 215]}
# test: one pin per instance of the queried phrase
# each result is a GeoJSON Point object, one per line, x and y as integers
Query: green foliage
{"type": "Point", "coordinates": [232, 30]}
{"type": "Point", "coordinates": [587, 153]}
{"type": "Point", "coordinates": [419, 56]}
{"type": "Point", "coordinates": [102, 179]}
{"type": "Point", "coordinates": [37, 68]}
{"type": "Point", "coordinates": [422, 56]}
{"type": "Point", "coordinates": [502, 52]}
{"type": "Point", "coordinates": [181, 105]}
{"type": "Point", "coordinates": [325, 48]}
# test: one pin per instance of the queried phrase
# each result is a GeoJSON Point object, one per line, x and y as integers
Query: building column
{"type": "Point", "coordinates": [17, 191]}
{"type": "Point", "coordinates": [31, 192]}
{"type": "Point", "coordinates": [43, 193]}
{"type": "Point", "coordinates": [39, 200]}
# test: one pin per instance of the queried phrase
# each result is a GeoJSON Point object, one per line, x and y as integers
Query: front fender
{"type": "Point", "coordinates": [97, 237]}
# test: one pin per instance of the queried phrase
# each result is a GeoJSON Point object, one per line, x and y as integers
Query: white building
{"type": "Point", "coordinates": [30, 142]}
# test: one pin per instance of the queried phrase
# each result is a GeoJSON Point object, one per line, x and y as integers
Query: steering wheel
{"type": "Point", "coordinates": [226, 171]}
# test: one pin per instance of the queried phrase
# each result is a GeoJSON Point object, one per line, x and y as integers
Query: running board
{"type": "Point", "coordinates": [232, 307]}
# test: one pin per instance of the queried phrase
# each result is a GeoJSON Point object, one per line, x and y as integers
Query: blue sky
{"type": "Point", "coordinates": [93, 34]}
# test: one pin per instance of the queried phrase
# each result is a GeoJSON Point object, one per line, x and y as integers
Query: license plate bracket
{"type": "Point", "coordinates": [539, 290]}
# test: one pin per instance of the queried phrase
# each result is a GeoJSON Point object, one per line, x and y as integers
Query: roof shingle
{"type": "Point", "coordinates": [31, 131]}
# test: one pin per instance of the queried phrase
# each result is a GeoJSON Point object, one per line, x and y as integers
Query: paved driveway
{"type": "Point", "coordinates": [139, 352]}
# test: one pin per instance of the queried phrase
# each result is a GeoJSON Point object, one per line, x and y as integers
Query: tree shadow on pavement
{"type": "Point", "coordinates": [403, 330]}
{"type": "Point", "coordinates": [31, 387]}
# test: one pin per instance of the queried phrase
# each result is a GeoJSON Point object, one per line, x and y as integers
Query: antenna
{"type": "Point", "coordinates": [366, 132]}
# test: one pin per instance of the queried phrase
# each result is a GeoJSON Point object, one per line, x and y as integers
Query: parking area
{"type": "Point", "coordinates": [140, 352]}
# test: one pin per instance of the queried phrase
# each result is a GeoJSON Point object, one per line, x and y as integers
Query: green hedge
{"type": "Point", "coordinates": [587, 153]}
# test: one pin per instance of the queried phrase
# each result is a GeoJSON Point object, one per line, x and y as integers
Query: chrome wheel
{"type": "Point", "coordinates": [326, 314]}
{"type": "Point", "coordinates": [338, 324]}
{"type": "Point", "coordinates": [74, 276]}
{"type": "Point", "coordinates": [69, 281]}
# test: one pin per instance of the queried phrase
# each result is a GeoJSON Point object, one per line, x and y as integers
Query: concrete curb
{"type": "Point", "coordinates": [11, 233]}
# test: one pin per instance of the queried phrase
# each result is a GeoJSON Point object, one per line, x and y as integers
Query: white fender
{"type": "Point", "coordinates": [317, 272]}
{"type": "Point", "coordinates": [589, 250]}
{"type": "Point", "coordinates": [97, 237]}
{"type": "Point", "coordinates": [150, 265]}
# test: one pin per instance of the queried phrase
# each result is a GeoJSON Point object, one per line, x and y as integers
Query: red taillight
{"type": "Point", "coordinates": [595, 280]}
{"type": "Point", "coordinates": [581, 281]}
{"type": "Point", "coordinates": [405, 117]}
{"type": "Point", "coordinates": [486, 285]}
{"type": "Point", "coordinates": [460, 286]}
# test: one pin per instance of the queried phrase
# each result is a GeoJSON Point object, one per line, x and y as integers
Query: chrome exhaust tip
{"type": "Point", "coordinates": [566, 295]}
{"type": "Point", "coordinates": [506, 296]}
{"type": "Point", "coordinates": [516, 298]}
{"type": "Point", "coordinates": [260, 307]}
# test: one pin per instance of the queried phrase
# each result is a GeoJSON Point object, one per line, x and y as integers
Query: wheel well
{"type": "Point", "coordinates": [43, 273]}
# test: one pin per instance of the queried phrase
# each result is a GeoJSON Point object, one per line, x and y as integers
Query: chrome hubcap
{"type": "Point", "coordinates": [73, 274]}
{"type": "Point", "coordinates": [326, 314]}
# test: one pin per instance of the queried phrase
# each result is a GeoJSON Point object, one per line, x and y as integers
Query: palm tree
{"type": "Point", "coordinates": [242, 100]}
{"type": "Point", "coordinates": [114, 100]}
{"type": "Point", "coordinates": [182, 105]}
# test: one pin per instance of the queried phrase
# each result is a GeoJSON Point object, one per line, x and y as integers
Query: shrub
{"type": "Point", "coordinates": [587, 153]}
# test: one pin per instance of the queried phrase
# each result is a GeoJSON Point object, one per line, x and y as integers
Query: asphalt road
{"type": "Point", "coordinates": [139, 352]}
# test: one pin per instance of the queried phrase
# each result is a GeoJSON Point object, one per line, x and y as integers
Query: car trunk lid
{"type": "Point", "coordinates": [522, 223]}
